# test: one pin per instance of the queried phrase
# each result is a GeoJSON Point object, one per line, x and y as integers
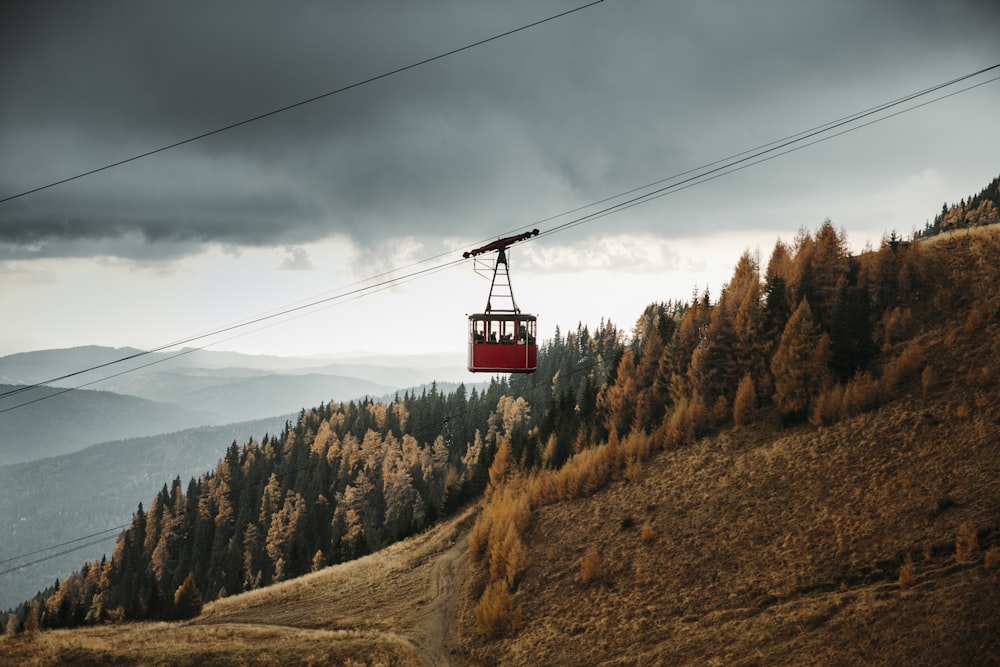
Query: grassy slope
{"type": "Point", "coordinates": [771, 550]}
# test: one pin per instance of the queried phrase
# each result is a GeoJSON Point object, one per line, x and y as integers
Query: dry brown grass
{"type": "Point", "coordinates": [183, 644]}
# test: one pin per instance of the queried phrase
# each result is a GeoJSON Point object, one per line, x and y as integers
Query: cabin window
{"type": "Point", "coordinates": [502, 332]}
{"type": "Point", "coordinates": [498, 331]}
{"type": "Point", "coordinates": [477, 330]}
{"type": "Point", "coordinates": [526, 332]}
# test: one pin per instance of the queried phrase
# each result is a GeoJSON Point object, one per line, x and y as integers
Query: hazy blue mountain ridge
{"type": "Point", "coordinates": [61, 423]}
{"type": "Point", "coordinates": [164, 392]}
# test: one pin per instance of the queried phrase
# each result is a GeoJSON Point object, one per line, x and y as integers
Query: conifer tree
{"type": "Point", "coordinates": [30, 625]}
{"type": "Point", "coordinates": [799, 364]}
{"type": "Point", "coordinates": [618, 399]}
{"type": "Point", "coordinates": [829, 268]}
{"type": "Point", "coordinates": [400, 496]}
{"type": "Point", "coordinates": [732, 343]}
{"type": "Point", "coordinates": [777, 308]}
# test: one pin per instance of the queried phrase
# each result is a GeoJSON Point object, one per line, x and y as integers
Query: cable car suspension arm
{"type": "Point", "coordinates": [500, 244]}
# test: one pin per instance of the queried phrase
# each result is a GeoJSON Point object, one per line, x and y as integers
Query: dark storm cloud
{"type": "Point", "coordinates": [611, 97]}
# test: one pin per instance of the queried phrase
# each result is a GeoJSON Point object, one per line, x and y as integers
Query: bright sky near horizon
{"type": "Point", "coordinates": [298, 207]}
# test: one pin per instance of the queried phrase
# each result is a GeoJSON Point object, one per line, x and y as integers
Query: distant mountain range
{"type": "Point", "coordinates": [146, 394]}
{"type": "Point", "coordinates": [124, 368]}
{"type": "Point", "coordinates": [45, 422]}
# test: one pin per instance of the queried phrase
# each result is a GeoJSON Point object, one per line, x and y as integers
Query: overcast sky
{"type": "Point", "coordinates": [301, 205]}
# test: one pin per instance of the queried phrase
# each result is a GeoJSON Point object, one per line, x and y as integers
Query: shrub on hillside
{"type": "Point", "coordinates": [828, 407]}
{"type": "Point", "coordinates": [496, 535]}
{"type": "Point", "coordinates": [187, 600]}
{"type": "Point", "coordinates": [689, 420]}
{"type": "Point", "coordinates": [496, 612]}
{"type": "Point", "coordinates": [508, 556]}
{"type": "Point", "coordinates": [895, 325]}
{"type": "Point", "coordinates": [647, 533]}
{"type": "Point", "coordinates": [903, 368]}
{"type": "Point", "coordinates": [861, 394]}
{"type": "Point", "coordinates": [590, 566]}
{"type": "Point", "coordinates": [991, 559]}
{"type": "Point", "coordinates": [907, 573]}
{"type": "Point", "coordinates": [928, 379]}
{"type": "Point", "coordinates": [29, 627]}
{"type": "Point", "coordinates": [965, 543]}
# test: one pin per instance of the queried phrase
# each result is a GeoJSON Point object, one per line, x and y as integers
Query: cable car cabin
{"type": "Point", "coordinates": [502, 343]}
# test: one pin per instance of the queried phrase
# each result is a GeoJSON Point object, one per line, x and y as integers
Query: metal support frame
{"type": "Point", "coordinates": [501, 288]}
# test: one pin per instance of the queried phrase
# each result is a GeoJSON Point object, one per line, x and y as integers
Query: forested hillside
{"type": "Point", "coordinates": [974, 211]}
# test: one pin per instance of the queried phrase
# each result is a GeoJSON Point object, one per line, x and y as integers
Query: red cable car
{"type": "Point", "coordinates": [502, 340]}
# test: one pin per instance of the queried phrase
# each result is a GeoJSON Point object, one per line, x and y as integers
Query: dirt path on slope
{"type": "Point", "coordinates": [434, 635]}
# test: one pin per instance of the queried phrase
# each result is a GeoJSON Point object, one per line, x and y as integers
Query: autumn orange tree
{"type": "Point", "coordinates": [799, 365]}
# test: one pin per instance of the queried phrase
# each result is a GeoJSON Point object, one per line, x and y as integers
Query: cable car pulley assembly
{"type": "Point", "coordinates": [501, 340]}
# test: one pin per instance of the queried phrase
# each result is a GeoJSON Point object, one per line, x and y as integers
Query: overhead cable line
{"type": "Point", "coordinates": [818, 128]}
{"type": "Point", "coordinates": [727, 164]}
{"type": "Point", "coordinates": [63, 544]}
{"type": "Point", "coordinates": [735, 162]}
{"type": "Point", "coordinates": [731, 168]}
{"type": "Point", "coordinates": [56, 555]}
{"type": "Point", "coordinates": [300, 103]}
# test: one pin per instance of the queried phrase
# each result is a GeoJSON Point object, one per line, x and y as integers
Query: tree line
{"type": "Point", "coordinates": [975, 211]}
